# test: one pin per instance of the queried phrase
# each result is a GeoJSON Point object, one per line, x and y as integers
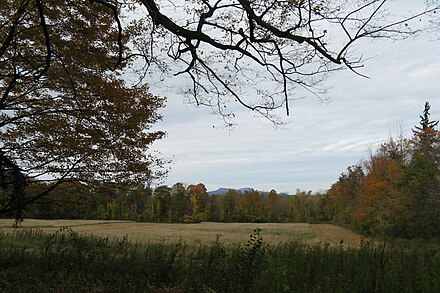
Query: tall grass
{"type": "Point", "coordinates": [31, 261]}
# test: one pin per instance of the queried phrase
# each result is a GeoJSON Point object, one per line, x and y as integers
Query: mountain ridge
{"type": "Point", "coordinates": [223, 190]}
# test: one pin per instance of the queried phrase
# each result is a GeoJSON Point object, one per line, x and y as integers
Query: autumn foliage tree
{"type": "Point", "coordinates": [197, 195]}
{"type": "Point", "coordinates": [399, 194]}
{"type": "Point", "coordinates": [342, 195]}
{"type": "Point", "coordinates": [66, 111]}
{"type": "Point", "coordinates": [378, 200]}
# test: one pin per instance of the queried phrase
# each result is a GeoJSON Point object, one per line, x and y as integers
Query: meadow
{"type": "Point", "coordinates": [206, 232]}
{"type": "Point", "coordinates": [90, 256]}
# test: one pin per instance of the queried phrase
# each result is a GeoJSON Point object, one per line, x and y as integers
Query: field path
{"type": "Point", "coordinates": [198, 233]}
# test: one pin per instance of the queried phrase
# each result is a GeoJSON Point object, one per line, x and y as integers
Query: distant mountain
{"type": "Point", "coordinates": [218, 191]}
{"type": "Point", "coordinates": [224, 190]}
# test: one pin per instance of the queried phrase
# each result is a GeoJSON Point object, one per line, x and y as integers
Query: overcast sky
{"type": "Point", "coordinates": [320, 140]}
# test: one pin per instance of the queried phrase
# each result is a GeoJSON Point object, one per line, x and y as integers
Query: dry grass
{"type": "Point", "coordinates": [195, 233]}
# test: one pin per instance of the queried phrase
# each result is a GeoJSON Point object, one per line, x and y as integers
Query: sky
{"type": "Point", "coordinates": [320, 140]}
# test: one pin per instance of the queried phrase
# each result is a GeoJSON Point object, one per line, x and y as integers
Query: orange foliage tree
{"type": "Point", "coordinates": [197, 195]}
{"type": "Point", "coordinates": [379, 198]}
{"type": "Point", "coordinates": [342, 195]}
{"type": "Point", "coordinates": [66, 110]}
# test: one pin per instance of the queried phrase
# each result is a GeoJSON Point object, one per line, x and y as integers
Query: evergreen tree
{"type": "Point", "coordinates": [421, 181]}
{"type": "Point", "coordinates": [426, 137]}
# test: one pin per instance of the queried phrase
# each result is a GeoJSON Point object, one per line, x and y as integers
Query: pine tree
{"type": "Point", "coordinates": [421, 181]}
{"type": "Point", "coordinates": [426, 137]}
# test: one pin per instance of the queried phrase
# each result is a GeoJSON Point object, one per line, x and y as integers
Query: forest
{"type": "Point", "coordinates": [394, 193]}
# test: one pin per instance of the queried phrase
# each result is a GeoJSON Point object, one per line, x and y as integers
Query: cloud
{"type": "Point", "coordinates": [320, 140]}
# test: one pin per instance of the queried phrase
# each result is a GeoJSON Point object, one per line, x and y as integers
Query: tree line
{"type": "Point", "coordinates": [179, 203]}
{"type": "Point", "coordinates": [393, 193]}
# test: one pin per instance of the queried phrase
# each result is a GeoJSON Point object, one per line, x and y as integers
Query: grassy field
{"type": "Point", "coordinates": [233, 233]}
{"type": "Point", "coordinates": [54, 258]}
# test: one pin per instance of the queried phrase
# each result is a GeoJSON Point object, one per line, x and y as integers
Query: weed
{"type": "Point", "coordinates": [31, 261]}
